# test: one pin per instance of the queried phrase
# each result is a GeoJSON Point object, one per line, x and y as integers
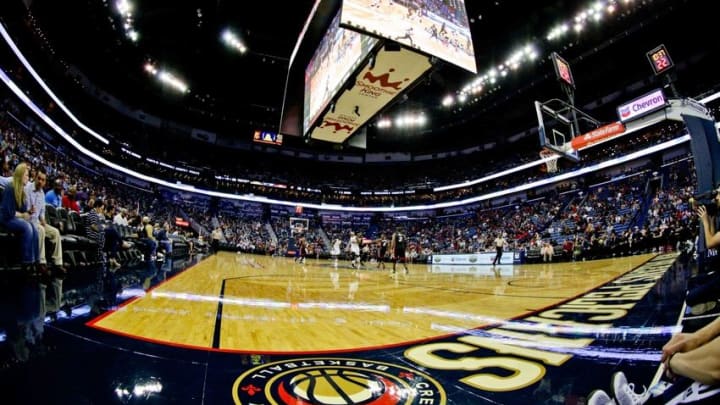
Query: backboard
{"type": "Point", "coordinates": [560, 122]}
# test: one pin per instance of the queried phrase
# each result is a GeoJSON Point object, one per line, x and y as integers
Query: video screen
{"type": "Point", "coordinates": [435, 27]}
{"type": "Point", "coordinates": [268, 137]}
{"type": "Point", "coordinates": [338, 55]}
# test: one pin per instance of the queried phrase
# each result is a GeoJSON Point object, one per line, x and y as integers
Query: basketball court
{"type": "Point", "coordinates": [247, 329]}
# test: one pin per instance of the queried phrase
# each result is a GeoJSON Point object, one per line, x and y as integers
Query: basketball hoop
{"type": "Point", "coordinates": [298, 226]}
{"type": "Point", "coordinates": [550, 158]}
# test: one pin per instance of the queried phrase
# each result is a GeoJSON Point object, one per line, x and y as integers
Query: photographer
{"type": "Point", "coordinates": [712, 238]}
{"type": "Point", "coordinates": [703, 298]}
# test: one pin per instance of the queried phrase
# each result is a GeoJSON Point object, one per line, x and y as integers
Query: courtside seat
{"type": "Point", "coordinates": [120, 230]}
{"type": "Point", "coordinates": [52, 218]}
{"type": "Point", "coordinates": [124, 257]}
{"type": "Point", "coordinates": [125, 232]}
{"type": "Point", "coordinates": [69, 258]}
{"type": "Point", "coordinates": [62, 215]}
{"type": "Point", "coordinates": [81, 259]}
{"type": "Point", "coordinates": [130, 257]}
{"type": "Point", "coordinates": [533, 255]}
{"type": "Point", "coordinates": [130, 232]}
{"type": "Point", "coordinates": [134, 257]}
{"type": "Point", "coordinates": [78, 223]}
{"type": "Point", "coordinates": [180, 247]}
{"type": "Point", "coordinates": [76, 227]}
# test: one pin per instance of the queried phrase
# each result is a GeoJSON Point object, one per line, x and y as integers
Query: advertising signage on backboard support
{"type": "Point", "coordinates": [646, 104]}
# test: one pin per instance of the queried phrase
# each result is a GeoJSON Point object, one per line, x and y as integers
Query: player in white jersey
{"type": "Point", "coordinates": [335, 251]}
{"type": "Point", "coordinates": [354, 250]}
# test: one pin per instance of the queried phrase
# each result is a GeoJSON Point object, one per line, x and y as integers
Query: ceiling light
{"type": "Point", "coordinates": [125, 9]}
{"type": "Point", "coordinates": [230, 39]}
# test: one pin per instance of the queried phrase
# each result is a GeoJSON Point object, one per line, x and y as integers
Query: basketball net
{"type": "Point", "coordinates": [551, 159]}
{"type": "Point", "coordinates": [298, 230]}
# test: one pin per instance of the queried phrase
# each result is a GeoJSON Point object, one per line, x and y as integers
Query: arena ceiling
{"type": "Point", "coordinates": [234, 94]}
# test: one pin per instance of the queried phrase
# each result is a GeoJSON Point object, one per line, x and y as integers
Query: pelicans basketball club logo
{"type": "Point", "coordinates": [336, 381]}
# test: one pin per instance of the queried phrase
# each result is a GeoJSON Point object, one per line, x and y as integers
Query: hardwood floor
{"type": "Point", "coordinates": [248, 303]}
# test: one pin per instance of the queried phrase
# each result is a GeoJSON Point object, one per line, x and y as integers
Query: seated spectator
{"type": "Point", "coordinates": [69, 200]}
{"type": "Point", "coordinates": [35, 198]}
{"type": "Point", "coordinates": [54, 197]}
{"type": "Point", "coordinates": [121, 217]}
{"type": "Point", "coordinates": [15, 216]}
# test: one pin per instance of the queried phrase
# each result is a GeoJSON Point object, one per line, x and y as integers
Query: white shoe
{"type": "Point", "coordinates": [700, 309]}
{"type": "Point", "coordinates": [600, 397]}
{"type": "Point", "coordinates": [625, 392]}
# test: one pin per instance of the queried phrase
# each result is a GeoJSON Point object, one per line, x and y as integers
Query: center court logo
{"type": "Point", "coordinates": [336, 381]}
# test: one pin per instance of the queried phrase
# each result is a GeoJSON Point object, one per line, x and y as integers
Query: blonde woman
{"type": "Point", "coordinates": [15, 216]}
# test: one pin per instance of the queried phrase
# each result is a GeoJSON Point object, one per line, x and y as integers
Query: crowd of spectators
{"type": "Point", "coordinates": [582, 221]}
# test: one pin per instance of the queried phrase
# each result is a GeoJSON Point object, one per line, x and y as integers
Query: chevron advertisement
{"type": "Point", "coordinates": [646, 104]}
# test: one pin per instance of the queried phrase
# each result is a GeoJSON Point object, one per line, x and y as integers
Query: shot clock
{"type": "Point", "coordinates": [660, 60]}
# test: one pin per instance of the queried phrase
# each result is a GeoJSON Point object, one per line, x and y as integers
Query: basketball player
{"type": "Point", "coordinates": [382, 250]}
{"type": "Point", "coordinates": [546, 251]}
{"type": "Point", "coordinates": [409, 32]}
{"type": "Point", "coordinates": [499, 243]}
{"type": "Point", "coordinates": [302, 250]}
{"type": "Point", "coordinates": [335, 251]}
{"type": "Point", "coordinates": [398, 245]}
{"type": "Point", "coordinates": [365, 253]}
{"type": "Point", "coordinates": [354, 250]}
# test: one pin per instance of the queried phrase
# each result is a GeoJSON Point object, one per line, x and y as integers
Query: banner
{"type": "Point", "coordinates": [375, 87]}
{"type": "Point", "coordinates": [597, 135]}
{"type": "Point", "coordinates": [646, 104]}
{"type": "Point", "coordinates": [484, 258]}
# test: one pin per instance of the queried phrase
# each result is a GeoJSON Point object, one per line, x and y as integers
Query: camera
{"type": "Point", "coordinates": [708, 200]}
{"type": "Point", "coordinates": [708, 195]}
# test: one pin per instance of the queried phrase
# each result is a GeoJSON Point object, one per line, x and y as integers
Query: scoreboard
{"type": "Point", "coordinates": [268, 137]}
